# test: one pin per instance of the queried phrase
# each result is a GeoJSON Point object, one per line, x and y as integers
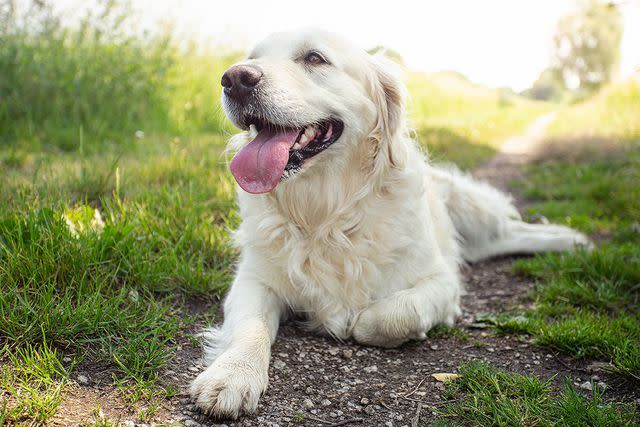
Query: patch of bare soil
{"type": "Point", "coordinates": [318, 381]}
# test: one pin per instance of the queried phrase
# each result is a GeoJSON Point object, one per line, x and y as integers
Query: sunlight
{"type": "Point", "coordinates": [494, 42]}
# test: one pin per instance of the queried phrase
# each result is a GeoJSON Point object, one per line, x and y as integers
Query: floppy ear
{"type": "Point", "coordinates": [388, 94]}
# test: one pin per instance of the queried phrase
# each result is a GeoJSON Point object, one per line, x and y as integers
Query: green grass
{"type": "Point", "coordinates": [31, 383]}
{"type": "Point", "coordinates": [461, 122]}
{"type": "Point", "coordinates": [100, 80]}
{"type": "Point", "coordinates": [112, 290]}
{"type": "Point", "coordinates": [587, 304]}
{"type": "Point", "coordinates": [486, 396]}
{"type": "Point", "coordinates": [611, 113]}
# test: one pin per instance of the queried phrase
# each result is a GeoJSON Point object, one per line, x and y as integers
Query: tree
{"type": "Point", "coordinates": [548, 87]}
{"type": "Point", "coordinates": [587, 45]}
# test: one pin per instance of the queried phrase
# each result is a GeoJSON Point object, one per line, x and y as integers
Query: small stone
{"type": "Point", "coordinates": [347, 354]}
{"type": "Point", "coordinates": [309, 390]}
{"type": "Point", "coordinates": [66, 359]}
{"type": "Point", "coordinates": [325, 402]}
{"type": "Point", "coordinates": [602, 385]}
{"type": "Point", "coordinates": [597, 366]}
{"type": "Point", "coordinates": [191, 423]}
{"type": "Point", "coordinates": [83, 379]}
{"type": "Point", "coordinates": [308, 403]}
{"type": "Point", "coordinates": [193, 369]}
{"type": "Point", "coordinates": [364, 401]}
{"type": "Point", "coordinates": [434, 347]}
{"type": "Point", "coordinates": [369, 410]}
{"type": "Point", "coordinates": [129, 423]}
{"type": "Point", "coordinates": [334, 351]}
{"type": "Point", "coordinates": [388, 424]}
{"type": "Point", "coordinates": [371, 369]}
{"type": "Point", "coordinates": [586, 385]}
{"type": "Point", "coordinates": [279, 364]}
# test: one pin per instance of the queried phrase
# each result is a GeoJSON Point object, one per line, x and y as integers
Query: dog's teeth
{"type": "Point", "coordinates": [253, 132]}
{"type": "Point", "coordinates": [310, 132]}
{"type": "Point", "coordinates": [329, 133]}
{"type": "Point", "coordinates": [297, 146]}
{"type": "Point", "coordinates": [303, 139]}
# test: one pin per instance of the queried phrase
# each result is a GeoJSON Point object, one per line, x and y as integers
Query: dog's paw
{"type": "Point", "coordinates": [568, 238]}
{"type": "Point", "coordinates": [229, 387]}
{"type": "Point", "coordinates": [583, 242]}
{"type": "Point", "coordinates": [389, 324]}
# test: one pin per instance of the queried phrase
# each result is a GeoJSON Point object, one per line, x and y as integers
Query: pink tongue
{"type": "Point", "coordinates": [258, 167]}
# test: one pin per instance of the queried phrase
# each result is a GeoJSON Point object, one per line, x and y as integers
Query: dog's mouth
{"type": "Point", "coordinates": [277, 152]}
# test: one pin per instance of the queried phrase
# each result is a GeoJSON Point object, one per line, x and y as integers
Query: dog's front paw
{"type": "Point", "coordinates": [231, 386]}
{"type": "Point", "coordinates": [389, 324]}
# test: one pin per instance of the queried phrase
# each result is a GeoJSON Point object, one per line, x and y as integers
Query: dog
{"type": "Point", "coordinates": [344, 220]}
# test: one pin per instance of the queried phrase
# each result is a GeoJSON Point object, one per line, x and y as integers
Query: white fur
{"type": "Point", "coordinates": [367, 240]}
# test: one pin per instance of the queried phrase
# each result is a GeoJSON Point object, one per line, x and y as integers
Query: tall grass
{"type": "Point", "coordinates": [612, 113]}
{"type": "Point", "coordinates": [462, 122]}
{"type": "Point", "coordinates": [99, 81]}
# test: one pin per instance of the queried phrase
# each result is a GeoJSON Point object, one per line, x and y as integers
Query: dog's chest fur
{"type": "Point", "coordinates": [329, 264]}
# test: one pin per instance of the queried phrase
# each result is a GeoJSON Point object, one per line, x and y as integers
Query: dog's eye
{"type": "Point", "coordinates": [314, 58]}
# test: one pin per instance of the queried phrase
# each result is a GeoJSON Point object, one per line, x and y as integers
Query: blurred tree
{"type": "Point", "coordinates": [548, 87]}
{"type": "Point", "coordinates": [587, 44]}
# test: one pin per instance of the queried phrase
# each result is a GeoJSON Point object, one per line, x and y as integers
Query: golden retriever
{"type": "Point", "coordinates": [344, 220]}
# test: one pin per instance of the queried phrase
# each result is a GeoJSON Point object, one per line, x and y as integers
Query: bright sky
{"type": "Point", "coordinates": [495, 42]}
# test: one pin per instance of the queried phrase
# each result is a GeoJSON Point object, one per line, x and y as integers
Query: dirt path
{"type": "Point", "coordinates": [317, 381]}
{"type": "Point", "coordinates": [506, 165]}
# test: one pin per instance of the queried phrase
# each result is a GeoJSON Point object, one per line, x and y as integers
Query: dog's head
{"type": "Point", "coordinates": [306, 99]}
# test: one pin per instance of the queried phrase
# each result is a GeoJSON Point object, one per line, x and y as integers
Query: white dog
{"type": "Point", "coordinates": [343, 219]}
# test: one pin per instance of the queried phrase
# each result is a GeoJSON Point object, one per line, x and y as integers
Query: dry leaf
{"type": "Point", "coordinates": [442, 377]}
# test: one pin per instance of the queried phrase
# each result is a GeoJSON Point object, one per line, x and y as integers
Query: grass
{"type": "Point", "coordinates": [486, 396]}
{"type": "Point", "coordinates": [587, 303]}
{"type": "Point", "coordinates": [31, 381]}
{"type": "Point", "coordinates": [464, 123]}
{"type": "Point", "coordinates": [137, 82]}
{"type": "Point", "coordinates": [112, 290]}
{"type": "Point", "coordinates": [611, 113]}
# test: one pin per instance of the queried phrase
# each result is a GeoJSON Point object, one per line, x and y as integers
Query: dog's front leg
{"type": "Point", "coordinates": [410, 313]}
{"type": "Point", "coordinates": [239, 351]}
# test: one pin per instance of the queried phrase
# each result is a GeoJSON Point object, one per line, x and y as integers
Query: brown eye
{"type": "Point", "coordinates": [314, 58]}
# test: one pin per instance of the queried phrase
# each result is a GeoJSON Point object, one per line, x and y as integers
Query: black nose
{"type": "Point", "coordinates": [240, 80]}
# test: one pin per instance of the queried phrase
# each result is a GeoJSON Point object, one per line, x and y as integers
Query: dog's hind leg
{"type": "Point", "coordinates": [488, 224]}
{"type": "Point", "coordinates": [518, 237]}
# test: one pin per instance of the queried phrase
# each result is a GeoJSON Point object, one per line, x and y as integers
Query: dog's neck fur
{"type": "Point", "coordinates": [323, 194]}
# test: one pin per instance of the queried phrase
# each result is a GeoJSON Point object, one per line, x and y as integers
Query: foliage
{"type": "Point", "coordinates": [587, 44]}
{"type": "Point", "coordinates": [486, 396]}
{"type": "Point", "coordinates": [589, 178]}
{"type": "Point", "coordinates": [99, 82]}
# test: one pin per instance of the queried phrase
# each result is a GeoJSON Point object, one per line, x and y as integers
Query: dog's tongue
{"type": "Point", "coordinates": [258, 167]}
